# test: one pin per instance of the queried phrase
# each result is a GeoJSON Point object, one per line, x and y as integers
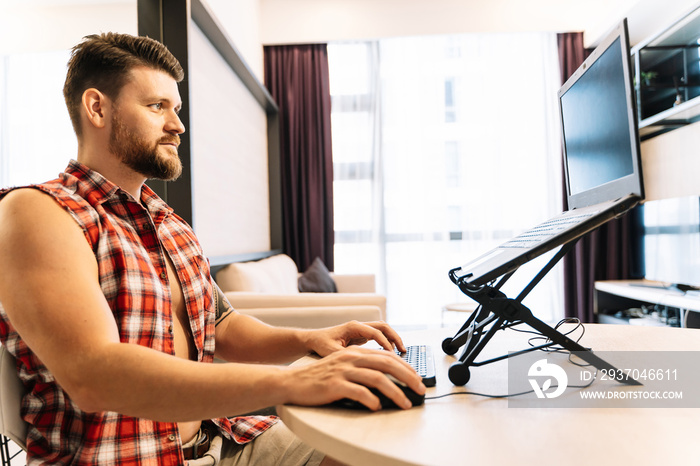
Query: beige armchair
{"type": "Point", "coordinates": [268, 290]}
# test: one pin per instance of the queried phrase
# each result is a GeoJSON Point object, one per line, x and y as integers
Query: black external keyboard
{"type": "Point", "coordinates": [420, 357]}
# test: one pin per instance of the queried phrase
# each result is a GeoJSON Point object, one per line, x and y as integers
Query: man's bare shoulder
{"type": "Point", "coordinates": [22, 200]}
{"type": "Point", "coordinates": [32, 222]}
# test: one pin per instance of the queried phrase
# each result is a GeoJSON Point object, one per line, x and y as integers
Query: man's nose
{"type": "Point", "coordinates": [174, 124]}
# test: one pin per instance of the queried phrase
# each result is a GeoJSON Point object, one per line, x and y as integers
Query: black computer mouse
{"type": "Point", "coordinates": [386, 402]}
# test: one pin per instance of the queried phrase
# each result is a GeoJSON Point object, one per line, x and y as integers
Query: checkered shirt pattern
{"type": "Point", "coordinates": [128, 240]}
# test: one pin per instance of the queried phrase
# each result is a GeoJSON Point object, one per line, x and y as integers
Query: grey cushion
{"type": "Point", "coordinates": [317, 279]}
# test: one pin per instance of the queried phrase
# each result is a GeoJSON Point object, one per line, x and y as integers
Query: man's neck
{"type": "Point", "coordinates": [116, 172]}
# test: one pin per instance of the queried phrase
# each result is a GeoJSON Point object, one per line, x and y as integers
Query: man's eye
{"type": "Point", "coordinates": [157, 106]}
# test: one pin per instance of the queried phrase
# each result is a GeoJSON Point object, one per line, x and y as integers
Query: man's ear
{"type": "Point", "coordinates": [95, 107]}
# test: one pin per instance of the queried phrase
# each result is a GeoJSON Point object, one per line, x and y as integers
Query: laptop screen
{"type": "Point", "coordinates": [598, 117]}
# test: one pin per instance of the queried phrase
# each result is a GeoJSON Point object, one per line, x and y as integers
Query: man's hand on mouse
{"type": "Point", "coordinates": [348, 374]}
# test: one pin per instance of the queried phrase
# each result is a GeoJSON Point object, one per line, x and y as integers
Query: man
{"type": "Point", "coordinates": [109, 306]}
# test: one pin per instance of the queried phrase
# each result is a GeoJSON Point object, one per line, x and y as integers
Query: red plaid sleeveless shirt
{"type": "Point", "coordinates": [129, 241]}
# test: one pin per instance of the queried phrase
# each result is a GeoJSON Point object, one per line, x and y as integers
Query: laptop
{"type": "Point", "coordinates": [602, 163]}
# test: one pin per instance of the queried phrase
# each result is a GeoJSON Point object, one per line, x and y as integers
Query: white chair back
{"type": "Point", "coordinates": [11, 390]}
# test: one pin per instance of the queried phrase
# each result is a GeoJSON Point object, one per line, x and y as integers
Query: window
{"type": "Point", "coordinates": [36, 136]}
{"type": "Point", "coordinates": [444, 147]}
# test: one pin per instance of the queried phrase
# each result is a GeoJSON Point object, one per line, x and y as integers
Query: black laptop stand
{"type": "Point", "coordinates": [497, 312]}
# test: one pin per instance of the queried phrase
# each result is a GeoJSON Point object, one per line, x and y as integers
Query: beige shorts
{"type": "Point", "coordinates": [277, 446]}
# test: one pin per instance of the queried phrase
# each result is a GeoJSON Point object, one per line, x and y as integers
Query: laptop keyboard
{"type": "Point", "coordinates": [420, 357]}
{"type": "Point", "coordinates": [545, 231]}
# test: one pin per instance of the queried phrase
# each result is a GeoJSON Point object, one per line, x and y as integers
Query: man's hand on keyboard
{"type": "Point", "coordinates": [328, 340]}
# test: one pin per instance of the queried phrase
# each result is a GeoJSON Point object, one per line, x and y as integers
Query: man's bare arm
{"type": "Point", "coordinates": [241, 338]}
{"type": "Point", "coordinates": [50, 290]}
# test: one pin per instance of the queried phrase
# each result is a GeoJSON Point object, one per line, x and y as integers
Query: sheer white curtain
{"type": "Point", "coordinates": [358, 182]}
{"type": "Point", "coordinates": [36, 136]}
{"type": "Point", "coordinates": [444, 147]}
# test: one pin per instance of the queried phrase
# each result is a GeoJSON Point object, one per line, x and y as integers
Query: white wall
{"type": "Point", "coordinates": [42, 26]}
{"type": "Point", "coordinates": [229, 156]}
{"type": "Point", "coordinates": [671, 164]}
{"type": "Point", "coordinates": [241, 20]}
{"type": "Point", "coordinates": [301, 21]}
{"type": "Point", "coordinates": [645, 18]}
{"type": "Point", "coordinates": [323, 20]}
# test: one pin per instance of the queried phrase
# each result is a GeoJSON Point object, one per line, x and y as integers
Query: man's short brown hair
{"type": "Point", "coordinates": [103, 61]}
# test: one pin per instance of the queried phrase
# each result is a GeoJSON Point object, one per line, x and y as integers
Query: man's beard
{"type": "Point", "coordinates": [141, 157]}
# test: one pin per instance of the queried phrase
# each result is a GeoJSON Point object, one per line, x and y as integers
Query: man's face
{"type": "Point", "coordinates": [145, 126]}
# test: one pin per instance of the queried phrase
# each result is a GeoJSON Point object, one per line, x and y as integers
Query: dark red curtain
{"type": "Point", "coordinates": [298, 79]}
{"type": "Point", "coordinates": [613, 251]}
